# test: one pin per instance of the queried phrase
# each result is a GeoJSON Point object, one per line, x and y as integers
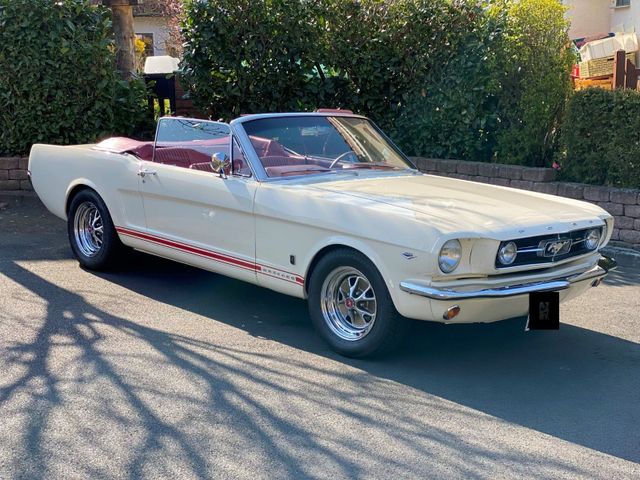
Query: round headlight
{"type": "Point", "coordinates": [592, 239]}
{"type": "Point", "coordinates": [507, 254]}
{"type": "Point", "coordinates": [450, 255]}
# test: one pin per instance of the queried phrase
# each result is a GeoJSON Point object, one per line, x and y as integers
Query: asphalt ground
{"type": "Point", "coordinates": [165, 371]}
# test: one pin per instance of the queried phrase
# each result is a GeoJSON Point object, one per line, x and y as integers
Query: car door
{"type": "Point", "coordinates": [193, 214]}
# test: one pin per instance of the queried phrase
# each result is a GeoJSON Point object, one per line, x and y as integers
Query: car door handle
{"type": "Point", "coordinates": [143, 172]}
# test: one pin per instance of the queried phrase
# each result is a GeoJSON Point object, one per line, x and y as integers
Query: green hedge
{"type": "Point", "coordinates": [421, 69]}
{"type": "Point", "coordinates": [533, 73]}
{"type": "Point", "coordinates": [601, 139]}
{"type": "Point", "coordinates": [469, 79]}
{"type": "Point", "coordinates": [246, 56]}
{"type": "Point", "coordinates": [58, 82]}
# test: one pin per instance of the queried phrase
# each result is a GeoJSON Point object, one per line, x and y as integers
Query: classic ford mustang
{"type": "Point", "coordinates": [323, 206]}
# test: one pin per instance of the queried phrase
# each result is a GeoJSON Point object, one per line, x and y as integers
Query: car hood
{"type": "Point", "coordinates": [454, 205]}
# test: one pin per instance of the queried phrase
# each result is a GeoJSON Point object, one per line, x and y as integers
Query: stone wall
{"type": "Point", "coordinates": [622, 203]}
{"type": "Point", "coordinates": [13, 174]}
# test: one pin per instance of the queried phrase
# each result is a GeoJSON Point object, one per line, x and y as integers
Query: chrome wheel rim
{"type": "Point", "coordinates": [88, 229]}
{"type": "Point", "coordinates": [349, 303]}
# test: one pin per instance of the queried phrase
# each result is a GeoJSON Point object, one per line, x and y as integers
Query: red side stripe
{"type": "Point", "coordinates": [189, 248]}
{"type": "Point", "coordinates": [219, 257]}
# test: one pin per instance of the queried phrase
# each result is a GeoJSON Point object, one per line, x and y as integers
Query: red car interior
{"type": "Point", "coordinates": [142, 150]}
{"type": "Point", "coordinates": [197, 155]}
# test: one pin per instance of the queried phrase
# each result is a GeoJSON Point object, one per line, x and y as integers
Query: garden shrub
{"type": "Point", "coordinates": [421, 69]}
{"type": "Point", "coordinates": [470, 79]}
{"type": "Point", "coordinates": [58, 82]}
{"type": "Point", "coordinates": [248, 56]}
{"type": "Point", "coordinates": [600, 143]}
{"type": "Point", "coordinates": [534, 67]}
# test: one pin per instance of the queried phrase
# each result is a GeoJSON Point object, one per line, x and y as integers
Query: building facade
{"type": "Point", "coordinates": [154, 31]}
{"type": "Point", "coordinates": [597, 17]}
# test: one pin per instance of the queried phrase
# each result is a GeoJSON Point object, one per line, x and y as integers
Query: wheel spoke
{"type": "Point", "coordinates": [357, 319]}
{"type": "Point", "coordinates": [364, 311]}
{"type": "Point", "coordinates": [353, 284]}
{"type": "Point", "coordinates": [366, 294]}
{"type": "Point", "coordinates": [97, 239]}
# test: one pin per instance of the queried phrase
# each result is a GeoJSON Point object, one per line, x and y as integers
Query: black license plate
{"type": "Point", "coordinates": [544, 311]}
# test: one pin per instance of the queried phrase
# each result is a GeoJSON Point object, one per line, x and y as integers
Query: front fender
{"type": "Point", "coordinates": [393, 262]}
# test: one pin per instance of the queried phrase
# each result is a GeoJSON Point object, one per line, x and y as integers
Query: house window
{"type": "Point", "coordinates": [623, 3]}
{"type": "Point", "coordinates": [147, 38]}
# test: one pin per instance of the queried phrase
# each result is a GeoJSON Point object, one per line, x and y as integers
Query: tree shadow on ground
{"type": "Point", "coordinates": [575, 384]}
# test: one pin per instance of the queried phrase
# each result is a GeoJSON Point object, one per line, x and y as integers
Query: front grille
{"type": "Point", "coordinates": [531, 250]}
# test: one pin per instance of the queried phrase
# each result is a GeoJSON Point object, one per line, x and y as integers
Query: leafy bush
{"type": "Point", "coordinates": [534, 67]}
{"type": "Point", "coordinates": [422, 69]}
{"type": "Point", "coordinates": [600, 142]}
{"type": "Point", "coordinates": [58, 81]}
{"type": "Point", "coordinates": [470, 79]}
{"type": "Point", "coordinates": [247, 56]}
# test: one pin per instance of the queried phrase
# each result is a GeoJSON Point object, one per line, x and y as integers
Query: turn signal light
{"type": "Point", "coordinates": [451, 312]}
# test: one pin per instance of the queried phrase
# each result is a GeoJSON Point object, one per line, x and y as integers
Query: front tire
{"type": "Point", "coordinates": [92, 235]}
{"type": "Point", "coordinates": [350, 305]}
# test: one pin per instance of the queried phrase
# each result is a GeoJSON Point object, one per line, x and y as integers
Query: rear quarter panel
{"type": "Point", "coordinates": [57, 170]}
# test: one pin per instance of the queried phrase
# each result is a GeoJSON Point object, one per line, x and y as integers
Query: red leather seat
{"type": "Point", "coordinates": [207, 167]}
{"type": "Point", "coordinates": [267, 148]}
{"type": "Point", "coordinates": [173, 156]}
{"type": "Point", "coordinates": [182, 156]}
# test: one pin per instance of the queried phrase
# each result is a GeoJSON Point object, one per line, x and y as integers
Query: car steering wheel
{"type": "Point", "coordinates": [341, 156]}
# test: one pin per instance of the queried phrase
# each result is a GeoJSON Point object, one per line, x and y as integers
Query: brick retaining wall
{"type": "Point", "coordinates": [622, 203]}
{"type": "Point", "coordinates": [13, 174]}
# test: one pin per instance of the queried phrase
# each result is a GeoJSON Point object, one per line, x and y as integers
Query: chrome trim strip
{"type": "Point", "coordinates": [598, 271]}
{"type": "Point", "coordinates": [530, 250]}
{"type": "Point", "coordinates": [508, 291]}
{"type": "Point", "coordinates": [260, 116]}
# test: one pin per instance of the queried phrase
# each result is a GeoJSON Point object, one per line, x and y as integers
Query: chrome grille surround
{"type": "Point", "coordinates": [548, 248]}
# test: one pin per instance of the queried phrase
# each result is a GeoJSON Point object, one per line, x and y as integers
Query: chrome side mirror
{"type": "Point", "coordinates": [220, 163]}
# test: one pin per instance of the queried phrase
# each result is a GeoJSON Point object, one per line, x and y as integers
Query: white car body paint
{"type": "Point", "coordinates": [249, 229]}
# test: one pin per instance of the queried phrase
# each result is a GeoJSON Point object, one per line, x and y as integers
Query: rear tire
{"type": "Point", "coordinates": [92, 235]}
{"type": "Point", "coordinates": [350, 306]}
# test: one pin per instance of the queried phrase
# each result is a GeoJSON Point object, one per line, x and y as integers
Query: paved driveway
{"type": "Point", "coordinates": [162, 370]}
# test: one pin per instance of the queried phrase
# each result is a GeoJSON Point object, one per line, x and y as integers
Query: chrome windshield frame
{"type": "Point", "coordinates": [258, 169]}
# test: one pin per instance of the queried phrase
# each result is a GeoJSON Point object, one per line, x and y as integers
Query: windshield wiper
{"type": "Point", "coordinates": [304, 170]}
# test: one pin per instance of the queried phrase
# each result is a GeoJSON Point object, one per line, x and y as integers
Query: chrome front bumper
{"type": "Point", "coordinates": [604, 266]}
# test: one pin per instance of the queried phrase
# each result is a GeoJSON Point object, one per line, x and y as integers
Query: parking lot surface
{"type": "Point", "coordinates": [162, 370]}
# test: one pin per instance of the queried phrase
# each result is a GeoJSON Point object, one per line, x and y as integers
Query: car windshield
{"type": "Point", "coordinates": [308, 145]}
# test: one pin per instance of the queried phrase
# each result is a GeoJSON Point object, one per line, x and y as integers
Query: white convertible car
{"type": "Point", "coordinates": [323, 206]}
